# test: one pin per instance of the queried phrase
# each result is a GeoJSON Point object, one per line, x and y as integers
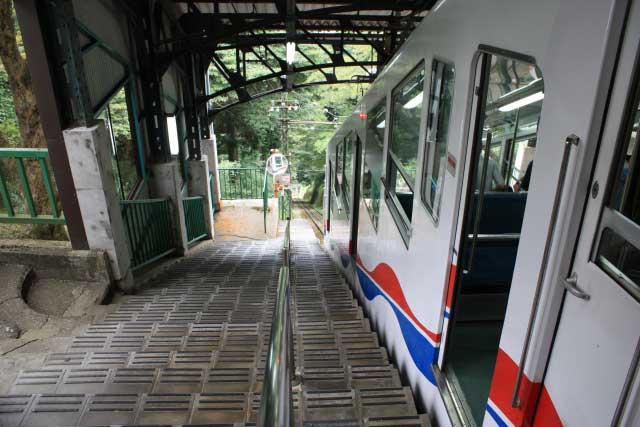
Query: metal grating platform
{"type": "Point", "coordinates": [191, 347]}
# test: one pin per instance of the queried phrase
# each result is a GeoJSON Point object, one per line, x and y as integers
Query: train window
{"type": "Point", "coordinates": [440, 102]}
{"type": "Point", "coordinates": [406, 115]}
{"type": "Point", "coordinates": [376, 124]}
{"type": "Point", "coordinates": [348, 170]}
{"type": "Point", "coordinates": [339, 167]}
{"type": "Point", "coordinates": [618, 252]}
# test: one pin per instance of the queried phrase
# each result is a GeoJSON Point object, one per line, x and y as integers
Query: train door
{"type": "Point", "coordinates": [341, 204]}
{"type": "Point", "coordinates": [508, 102]}
{"type": "Point", "coordinates": [355, 202]}
{"type": "Point", "coordinates": [592, 375]}
{"type": "Point", "coordinates": [328, 189]}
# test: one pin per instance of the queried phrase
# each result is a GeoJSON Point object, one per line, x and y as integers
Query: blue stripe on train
{"type": "Point", "coordinates": [421, 350]}
{"type": "Point", "coordinates": [496, 417]}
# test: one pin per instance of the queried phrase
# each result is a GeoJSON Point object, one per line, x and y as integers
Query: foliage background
{"type": "Point", "coordinates": [247, 132]}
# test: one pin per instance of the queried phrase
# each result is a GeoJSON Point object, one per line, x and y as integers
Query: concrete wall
{"type": "Point", "coordinates": [166, 182]}
{"type": "Point", "coordinates": [90, 160]}
{"type": "Point", "coordinates": [198, 185]}
{"type": "Point", "coordinates": [210, 149]}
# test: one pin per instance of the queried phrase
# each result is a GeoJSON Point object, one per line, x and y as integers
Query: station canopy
{"type": "Point", "coordinates": [261, 47]}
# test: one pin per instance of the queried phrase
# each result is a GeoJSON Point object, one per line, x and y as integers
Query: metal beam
{"type": "Point", "coordinates": [37, 46]}
{"type": "Point", "coordinates": [69, 52]}
{"type": "Point", "coordinates": [209, 26]}
{"type": "Point", "coordinates": [190, 107]}
{"type": "Point", "coordinates": [215, 111]}
{"type": "Point", "coordinates": [201, 90]}
{"type": "Point", "coordinates": [247, 42]}
{"type": "Point", "coordinates": [151, 82]}
{"type": "Point", "coordinates": [315, 67]}
{"type": "Point", "coordinates": [362, 4]}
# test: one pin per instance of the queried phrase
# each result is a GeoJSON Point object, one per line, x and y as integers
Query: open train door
{"type": "Point", "coordinates": [592, 376]}
{"type": "Point", "coordinates": [355, 202]}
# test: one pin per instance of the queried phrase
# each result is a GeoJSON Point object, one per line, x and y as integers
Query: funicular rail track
{"type": "Point", "coordinates": [311, 213]}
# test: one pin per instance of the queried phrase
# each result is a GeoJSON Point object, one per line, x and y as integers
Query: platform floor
{"type": "Point", "coordinates": [244, 220]}
{"type": "Point", "coordinates": [190, 349]}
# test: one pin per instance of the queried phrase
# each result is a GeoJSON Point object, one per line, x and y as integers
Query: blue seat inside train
{"type": "Point", "coordinates": [495, 253]}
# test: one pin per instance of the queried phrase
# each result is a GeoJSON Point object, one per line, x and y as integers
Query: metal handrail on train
{"type": "Point", "coordinates": [570, 141]}
{"type": "Point", "coordinates": [276, 406]}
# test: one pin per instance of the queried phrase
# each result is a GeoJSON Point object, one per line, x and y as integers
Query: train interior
{"type": "Point", "coordinates": [507, 120]}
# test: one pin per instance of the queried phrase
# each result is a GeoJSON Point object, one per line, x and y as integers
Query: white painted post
{"type": "Point", "coordinates": [90, 160]}
{"type": "Point", "coordinates": [209, 148]}
{"type": "Point", "coordinates": [199, 186]}
{"type": "Point", "coordinates": [166, 182]}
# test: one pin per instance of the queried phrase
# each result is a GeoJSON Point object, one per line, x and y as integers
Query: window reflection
{"type": "Point", "coordinates": [123, 145]}
{"type": "Point", "coordinates": [373, 160]}
{"type": "Point", "coordinates": [626, 191]}
{"type": "Point", "coordinates": [406, 113]}
{"type": "Point", "coordinates": [339, 167]}
{"type": "Point", "coordinates": [348, 168]}
{"type": "Point", "coordinates": [619, 257]}
{"type": "Point", "coordinates": [440, 103]}
{"type": "Point", "coordinates": [514, 101]}
{"type": "Point", "coordinates": [405, 129]}
{"type": "Point", "coordinates": [618, 252]}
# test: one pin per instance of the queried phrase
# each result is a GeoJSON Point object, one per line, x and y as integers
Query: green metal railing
{"type": "Point", "coordinates": [213, 200]}
{"type": "Point", "coordinates": [284, 205]}
{"type": "Point", "coordinates": [149, 230]}
{"type": "Point", "coordinates": [240, 183]}
{"type": "Point", "coordinates": [194, 218]}
{"type": "Point", "coordinates": [33, 214]}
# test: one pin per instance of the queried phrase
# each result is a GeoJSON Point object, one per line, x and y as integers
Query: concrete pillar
{"type": "Point", "coordinates": [199, 186]}
{"type": "Point", "coordinates": [166, 182]}
{"type": "Point", "coordinates": [209, 148]}
{"type": "Point", "coordinates": [90, 161]}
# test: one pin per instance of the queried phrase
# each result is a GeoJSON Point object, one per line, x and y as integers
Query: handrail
{"type": "Point", "coordinates": [478, 209]}
{"type": "Point", "coordinates": [569, 142]}
{"type": "Point", "coordinates": [287, 242]}
{"type": "Point", "coordinates": [276, 406]}
{"type": "Point", "coordinates": [284, 205]}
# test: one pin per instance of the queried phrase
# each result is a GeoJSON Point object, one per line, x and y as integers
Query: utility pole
{"type": "Point", "coordinates": [284, 116]}
{"type": "Point", "coordinates": [283, 107]}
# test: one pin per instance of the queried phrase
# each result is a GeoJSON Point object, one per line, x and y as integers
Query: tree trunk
{"type": "Point", "coordinates": [232, 150]}
{"type": "Point", "coordinates": [27, 114]}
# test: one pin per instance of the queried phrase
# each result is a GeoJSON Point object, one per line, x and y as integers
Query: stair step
{"type": "Point", "coordinates": [384, 407]}
{"type": "Point", "coordinates": [190, 349]}
{"type": "Point", "coordinates": [147, 377]}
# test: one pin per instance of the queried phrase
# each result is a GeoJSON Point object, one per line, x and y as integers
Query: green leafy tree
{"type": "Point", "coordinates": [19, 113]}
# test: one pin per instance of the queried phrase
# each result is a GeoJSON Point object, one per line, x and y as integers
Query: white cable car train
{"type": "Point", "coordinates": [484, 203]}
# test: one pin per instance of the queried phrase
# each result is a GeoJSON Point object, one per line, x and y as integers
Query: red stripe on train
{"type": "Point", "coordinates": [504, 378]}
{"type": "Point", "coordinates": [452, 282]}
